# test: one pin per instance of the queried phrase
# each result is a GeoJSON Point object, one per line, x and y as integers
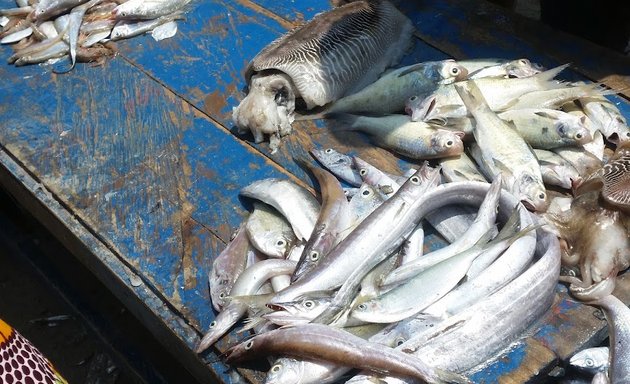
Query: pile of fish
{"type": "Point", "coordinates": [51, 30]}
{"type": "Point", "coordinates": [345, 284]}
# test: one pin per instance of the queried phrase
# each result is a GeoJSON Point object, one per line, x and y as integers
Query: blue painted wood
{"type": "Point", "coordinates": [140, 151]}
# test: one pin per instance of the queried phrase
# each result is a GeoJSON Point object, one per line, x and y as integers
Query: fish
{"type": "Point", "coordinates": [503, 150]}
{"type": "Point", "coordinates": [333, 218]}
{"type": "Point", "coordinates": [227, 266]}
{"type": "Point", "coordinates": [592, 360]}
{"type": "Point", "coordinates": [249, 281]}
{"type": "Point", "coordinates": [431, 284]}
{"type": "Point", "coordinates": [367, 243]}
{"type": "Point", "coordinates": [547, 128]}
{"type": "Point", "coordinates": [45, 10]}
{"type": "Point", "coordinates": [584, 162]}
{"type": "Point", "coordinates": [126, 29]}
{"type": "Point", "coordinates": [389, 93]}
{"type": "Point", "coordinates": [491, 323]}
{"type": "Point", "coordinates": [147, 9]}
{"type": "Point", "coordinates": [370, 174]}
{"type": "Point", "coordinates": [287, 370]}
{"type": "Point", "coordinates": [501, 68]}
{"type": "Point", "coordinates": [321, 342]}
{"type": "Point", "coordinates": [606, 117]}
{"type": "Point", "coordinates": [339, 164]}
{"type": "Point", "coordinates": [482, 226]}
{"type": "Point", "coordinates": [555, 98]}
{"type": "Point", "coordinates": [556, 170]}
{"type": "Point", "coordinates": [618, 317]}
{"type": "Point", "coordinates": [416, 140]}
{"type": "Point", "coordinates": [269, 232]}
{"type": "Point", "coordinates": [460, 168]}
{"type": "Point", "coordinates": [294, 202]}
{"type": "Point", "coordinates": [446, 103]}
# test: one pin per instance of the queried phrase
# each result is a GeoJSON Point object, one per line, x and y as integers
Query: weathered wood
{"type": "Point", "coordinates": [135, 167]}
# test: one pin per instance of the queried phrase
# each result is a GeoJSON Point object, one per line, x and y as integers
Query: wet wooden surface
{"type": "Point", "coordinates": [135, 165]}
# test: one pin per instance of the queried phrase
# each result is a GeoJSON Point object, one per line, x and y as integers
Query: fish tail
{"type": "Point", "coordinates": [344, 122]}
{"type": "Point", "coordinates": [549, 75]}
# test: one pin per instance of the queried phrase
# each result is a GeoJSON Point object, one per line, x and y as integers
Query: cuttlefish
{"type": "Point", "coordinates": [337, 53]}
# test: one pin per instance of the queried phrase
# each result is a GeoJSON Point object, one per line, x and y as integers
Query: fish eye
{"type": "Point", "coordinates": [399, 342]}
{"type": "Point", "coordinates": [222, 295]}
{"type": "Point", "coordinates": [413, 98]}
{"type": "Point", "coordinates": [367, 192]}
{"type": "Point", "coordinates": [123, 13]}
{"type": "Point", "coordinates": [309, 304]}
{"type": "Point", "coordinates": [329, 150]}
{"type": "Point", "coordinates": [276, 368]}
{"type": "Point", "coordinates": [314, 255]}
{"type": "Point", "coordinates": [455, 71]}
{"type": "Point", "coordinates": [362, 306]}
{"type": "Point", "coordinates": [213, 324]}
{"type": "Point", "coordinates": [249, 344]}
{"type": "Point", "coordinates": [523, 62]}
{"type": "Point", "coordinates": [449, 143]}
{"type": "Point", "coordinates": [542, 196]}
{"type": "Point", "coordinates": [363, 172]}
{"type": "Point", "coordinates": [627, 134]}
{"type": "Point", "coordinates": [589, 362]}
{"type": "Point", "coordinates": [280, 243]}
{"type": "Point", "coordinates": [415, 180]}
{"type": "Point", "coordinates": [578, 135]}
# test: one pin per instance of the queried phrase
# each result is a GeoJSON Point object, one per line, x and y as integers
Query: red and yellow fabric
{"type": "Point", "coordinates": [21, 362]}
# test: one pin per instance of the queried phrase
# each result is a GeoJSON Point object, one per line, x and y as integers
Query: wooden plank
{"type": "Point", "coordinates": [479, 28]}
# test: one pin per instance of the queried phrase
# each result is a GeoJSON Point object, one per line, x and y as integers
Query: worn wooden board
{"type": "Point", "coordinates": [135, 165]}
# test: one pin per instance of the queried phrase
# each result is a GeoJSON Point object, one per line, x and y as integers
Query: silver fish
{"type": "Point", "coordinates": [396, 217]}
{"type": "Point", "coordinates": [502, 68]}
{"type": "Point", "coordinates": [592, 360]}
{"type": "Point", "coordinates": [287, 370]}
{"type": "Point", "coordinates": [248, 283]}
{"type": "Point", "coordinates": [416, 140]}
{"type": "Point", "coordinates": [295, 203]}
{"type": "Point", "coordinates": [338, 346]}
{"type": "Point", "coordinates": [389, 93]}
{"type": "Point", "coordinates": [555, 169]}
{"type": "Point", "coordinates": [339, 164]}
{"type": "Point", "coordinates": [503, 150]}
{"type": "Point", "coordinates": [269, 231]}
{"type": "Point", "coordinates": [334, 217]}
{"type": "Point", "coordinates": [147, 9]}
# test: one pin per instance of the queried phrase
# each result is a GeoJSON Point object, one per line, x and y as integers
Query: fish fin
{"type": "Point", "coordinates": [411, 68]}
{"type": "Point", "coordinates": [445, 376]}
{"type": "Point", "coordinates": [250, 323]}
{"type": "Point", "coordinates": [550, 74]}
{"type": "Point", "coordinates": [164, 31]}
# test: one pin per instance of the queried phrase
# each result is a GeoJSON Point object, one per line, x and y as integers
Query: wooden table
{"type": "Point", "coordinates": [134, 165]}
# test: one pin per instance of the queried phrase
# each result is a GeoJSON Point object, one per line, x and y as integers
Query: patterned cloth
{"type": "Point", "coordinates": [21, 362]}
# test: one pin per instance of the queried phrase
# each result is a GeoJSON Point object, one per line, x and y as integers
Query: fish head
{"type": "Point", "coordinates": [572, 128]}
{"type": "Point", "coordinates": [560, 176]}
{"type": "Point", "coordinates": [285, 371]}
{"type": "Point", "coordinates": [522, 68]}
{"type": "Point", "coordinates": [365, 311]}
{"type": "Point", "coordinates": [127, 10]}
{"type": "Point", "coordinates": [274, 244]}
{"type": "Point", "coordinates": [331, 158]}
{"type": "Point", "coordinates": [245, 350]}
{"type": "Point", "coordinates": [445, 143]}
{"type": "Point", "coordinates": [268, 108]}
{"type": "Point", "coordinates": [450, 71]}
{"type": "Point", "coordinates": [300, 311]}
{"type": "Point", "coordinates": [419, 108]}
{"type": "Point", "coordinates": [221, 325]}
{"type": "Point", "coordinates": [584, 360]}
{"type": "Point", "coordinates": [531, 192]}
{"type": "Point", "coordinates": [219, 289]}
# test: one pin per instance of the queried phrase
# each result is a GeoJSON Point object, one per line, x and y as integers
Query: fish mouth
{"type": "Point", "coordinates": [529, 205]}
{"type": "Point", "coordinates": [425, 109]}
